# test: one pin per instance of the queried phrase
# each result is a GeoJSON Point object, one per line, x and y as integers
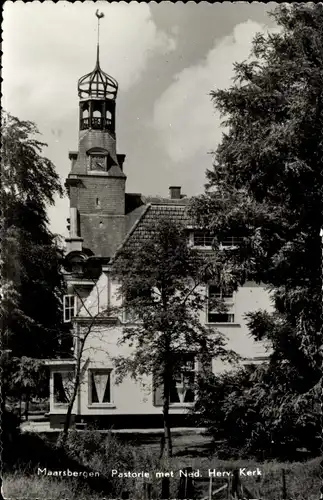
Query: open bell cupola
{"type": "Point", "coordinates": [97, 92]}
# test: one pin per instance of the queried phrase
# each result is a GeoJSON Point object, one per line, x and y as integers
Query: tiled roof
{"type": "Point", "coordinates": [132, 217]}
{"type": "Point", "coordinates": [176, 213]}
{"type": "Point", "coordinates": [139, 221]}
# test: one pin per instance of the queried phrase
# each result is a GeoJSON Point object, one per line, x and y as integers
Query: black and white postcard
{"type": "Point", "coordinates": [161, 250]}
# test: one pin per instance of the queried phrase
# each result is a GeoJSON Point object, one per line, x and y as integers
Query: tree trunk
{"type": "Point", "coordinates": [166, 447]}
{"type": "Point", "coordinates": [79, 352]}
{"type": "Point", "coordinates": [71, 402]}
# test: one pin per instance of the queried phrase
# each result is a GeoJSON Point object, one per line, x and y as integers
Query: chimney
{"type": "Point", "coordinates": [175, 192]}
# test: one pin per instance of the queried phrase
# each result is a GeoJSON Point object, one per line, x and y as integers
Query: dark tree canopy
{"type": "Point", "coordinates": [32, 282]}
{"type": "Point", "coordinates": [266, 184]}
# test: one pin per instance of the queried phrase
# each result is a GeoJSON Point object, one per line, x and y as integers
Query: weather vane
{"type": "Point", "coordinates": [99, 15]}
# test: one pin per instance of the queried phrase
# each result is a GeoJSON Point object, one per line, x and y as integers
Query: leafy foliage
{"type": "Point", "coordinates": [266, 187]}
{"type": "Point", "coordinates": [162, 286]}
{"type": "Point", "coordinates": [258, 414]}
{"type": "Point", "coordinates": [32, 285]}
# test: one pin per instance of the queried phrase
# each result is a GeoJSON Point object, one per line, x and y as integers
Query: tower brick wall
{"type": "Point", "coordinates": [102, 234]}
{"type": "Point", "coordinates": [99, 195]}
{"type": "Point", "coordinates": [93, 139]}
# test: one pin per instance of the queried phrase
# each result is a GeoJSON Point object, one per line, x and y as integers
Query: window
{"type": "Point", "coordinates": [69, 307]}
{"type": "Point", "coordinates": [100, 387]}
{"type": "Point", "coordinates": [76, 264]}
{"type": "Point", "coordinates": [182, 390]}
{"type": "Point", "coordinates": [220, 318]}
{"type": "Point", "coordinates": [108, 117]}
{"type": "Point", "coordinates": [230, 242]}
{"type": "Point", "coordinates": [84, 117]}
{"type": "Point", "coordinates": [202, 238]}
{"type": "Point", "coordinates": [63, 386]}
{"type": "Point", "coordinates": [183, 384]}
{"type": "Point", "coordinates": [225, 295]}
{"type": "Point", "coordinates": [96, 119]}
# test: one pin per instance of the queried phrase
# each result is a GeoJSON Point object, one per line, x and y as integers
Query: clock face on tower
{"type": "Point", "coordinates": [98, 162]}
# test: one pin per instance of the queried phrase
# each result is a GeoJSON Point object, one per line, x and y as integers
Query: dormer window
{"type": "Point", "coordinates": [230, 243]}
{"type": "Point", "coordinates": [202, 238]}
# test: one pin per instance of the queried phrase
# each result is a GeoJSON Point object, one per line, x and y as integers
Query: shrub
{"type": "Point", "coordinates": [103, 452]}
{"type": "Point", "coordinates": [256, 417]}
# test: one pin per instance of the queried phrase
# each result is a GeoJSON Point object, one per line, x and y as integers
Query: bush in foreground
{"type": "Point", "coordinates": [255, 422]}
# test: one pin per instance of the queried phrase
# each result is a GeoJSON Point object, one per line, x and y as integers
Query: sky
{"type": "Point", "coordinates": [166, 58]}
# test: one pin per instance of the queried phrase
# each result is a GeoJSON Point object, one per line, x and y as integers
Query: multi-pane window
{"type": "Point", "coordinates": [202, 238]}
{"type": "Point", "coordinates": [183, 383]}
{"type": "Point", "coordinates": [69, 307]}
{"type": "Point", "coordinates": [63, 386]}
{"type": "Point", "coordinates": [230, 242]}
{"type": "Point", "coordinates": [100, 386]}
{"type": "Point", "coordinates": [226, 295]}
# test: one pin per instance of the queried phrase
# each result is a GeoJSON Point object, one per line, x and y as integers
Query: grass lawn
{"type": "Point", "coordinates": [141, 453]}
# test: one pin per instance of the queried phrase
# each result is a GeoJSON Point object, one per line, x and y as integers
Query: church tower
{"type": "Point", "coordinates": [96, 182]}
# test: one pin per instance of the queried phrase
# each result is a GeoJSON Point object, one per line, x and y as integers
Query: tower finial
{"type": "Point", "coordinates": [97, 83]}
{"type": "Point", "coordinates": [99, 15]}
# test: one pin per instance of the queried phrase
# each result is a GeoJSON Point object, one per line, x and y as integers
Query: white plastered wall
{"type": "Point", "coordinates": [102, 345]}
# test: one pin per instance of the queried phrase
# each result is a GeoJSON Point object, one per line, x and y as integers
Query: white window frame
{"type": "Point", "coordinates": [230, 245]}
{"type": "Point", "coordinates": [192, 239]}
{"type": "Point", "coordinates": [180, 403]}
{"type": "Point", "coordinates": [108, 404]}
{"type": "Point", "coordinates": [67, 318]}
{"type": "Point", "coordinates": [229, 301]}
